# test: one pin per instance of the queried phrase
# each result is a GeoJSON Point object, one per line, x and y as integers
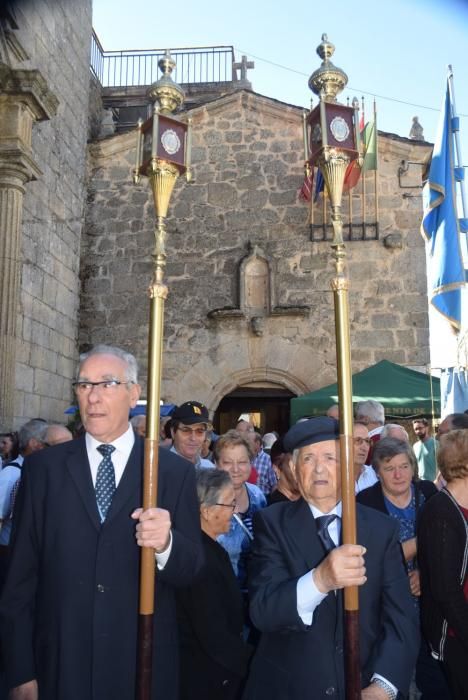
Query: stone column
{"type": "Point", "coordinates": [24, 99]}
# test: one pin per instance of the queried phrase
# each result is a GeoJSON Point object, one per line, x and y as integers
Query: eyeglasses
{"type": "Point", "coordinates": [227, 505]}
{"type": "Point", "coordinates": [362, 441]}
{"type": "Point", "coordinates": [107, 385]}
{"type": "Point", "coordinates": [186, 430]}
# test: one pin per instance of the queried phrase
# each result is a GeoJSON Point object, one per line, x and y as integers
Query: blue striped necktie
{"type": "Point", "coordinates": [105, 480]}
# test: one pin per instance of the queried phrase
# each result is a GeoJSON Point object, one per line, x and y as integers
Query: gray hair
{"type": "Point", "coordinates": [372, 410]}
{"type": "Point", "coordinates": [35, 429]}
{"type": "Point", "coordinates": [387, 448]}
{"type": "Point", "coordinates": [129, 359]}
{"type": "Point", "coordinates": [387, 430]}
{"type": "Point", "coordinates": [136, 420]}
{"type": "Point", "coordinates": [210, 484]}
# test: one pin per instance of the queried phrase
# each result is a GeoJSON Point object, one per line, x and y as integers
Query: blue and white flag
{"type": "Point", "coordinates": [453, 391]}
{"type": "Point", "coordinates": [441, 226]}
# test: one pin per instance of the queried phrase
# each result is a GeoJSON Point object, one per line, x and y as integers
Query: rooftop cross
{"type": "Point", "coordinates": [244, 66]}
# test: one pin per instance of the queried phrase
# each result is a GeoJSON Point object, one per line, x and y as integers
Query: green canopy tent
{"type": "Point", "coordinates": [403, 392]}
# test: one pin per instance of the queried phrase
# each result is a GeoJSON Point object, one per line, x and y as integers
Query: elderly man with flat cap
{"type": "Point", "coordinates": [298, 571]}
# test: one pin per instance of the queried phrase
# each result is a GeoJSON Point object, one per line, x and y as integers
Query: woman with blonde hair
{"type": "Point", "coordinates": [233, 453]}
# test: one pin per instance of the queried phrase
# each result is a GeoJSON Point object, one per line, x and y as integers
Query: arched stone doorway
{"type": "Point", "coordinates": [265, 393]}
{"type": "Point", "coordinates": [269, 409]}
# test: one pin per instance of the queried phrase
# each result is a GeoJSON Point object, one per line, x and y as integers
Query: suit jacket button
{"type": "Point", "coordinates": [330, 691]}
{"type": "Point", "coordinates": [100, 588]}
{"type": "Point", "coordinates": [226, 682]}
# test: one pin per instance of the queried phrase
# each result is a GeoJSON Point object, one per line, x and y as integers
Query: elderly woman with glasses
{"type": "Point", "coordinates": [401, 495]}
{"type": "Point", "coordinates": [443, 558]}
{"type": "Point", "coordinates": [214, 656]}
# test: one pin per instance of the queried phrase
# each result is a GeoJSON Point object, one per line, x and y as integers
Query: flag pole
{"type": "Point", "coordinates": [376, 172]}
{"type": "Point", "coordinates": [456, 131]}
{"type": "Point", "coordinates": [333, 147]}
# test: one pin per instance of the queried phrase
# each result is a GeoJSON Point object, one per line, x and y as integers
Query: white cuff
{"type": "Point", "coordinates": [377, 675]}
{"type": "Point", "coordinates": [308, 597]}
{"type": "Point", "coordinates": [162, 557]}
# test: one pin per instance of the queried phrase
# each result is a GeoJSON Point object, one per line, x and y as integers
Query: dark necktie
{"type": "Point", "coordinates": [105, 480]}
{"type": "Point", "coordinates": [322, 531]}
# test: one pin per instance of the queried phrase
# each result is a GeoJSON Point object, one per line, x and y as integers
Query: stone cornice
{"type": "Point", "coordinates": [29, 87]}
{"type": "Point", "coordinates": [17, 163]}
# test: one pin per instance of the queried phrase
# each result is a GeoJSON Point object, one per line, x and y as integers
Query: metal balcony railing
{"type": "Point", "coordinates": [207, 64]}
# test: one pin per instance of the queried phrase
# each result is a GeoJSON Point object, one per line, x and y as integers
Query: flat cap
{"type": "Point", "coordinates": [311, 431]}
{"type": "Point", "coordinates": [191, 412]}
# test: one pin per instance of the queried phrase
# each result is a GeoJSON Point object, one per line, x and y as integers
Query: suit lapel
{"type": "Point", "coordinates": [78, 467]}
{"type": "Point", "coordinates": [305, 534]}
{"type": "Point", "coordinates": [129, 483]}
{"type": "Point", "coordinates": [308, 542]}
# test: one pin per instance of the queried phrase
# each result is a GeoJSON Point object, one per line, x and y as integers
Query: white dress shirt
{"type": "Point", "coordinates": [308, 595]}
{"type": "Point", "coordinates": [123, 447]}
{"type": "Point", "coordinates": [9, 478]}
{"type": "Point", "coordinates": [367, 478]}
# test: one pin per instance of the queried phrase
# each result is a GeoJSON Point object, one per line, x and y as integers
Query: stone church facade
{"type": "Point", "coordinates": [250, 308]}
{"type": "Point", "coordinates": [44, 95]}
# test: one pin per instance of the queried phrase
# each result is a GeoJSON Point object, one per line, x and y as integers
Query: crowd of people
{"type": "Point", "coordinates": [249, 562]}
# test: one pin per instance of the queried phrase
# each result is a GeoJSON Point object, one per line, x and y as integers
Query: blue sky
{"type": "Point", "coordinates": [394, 49]}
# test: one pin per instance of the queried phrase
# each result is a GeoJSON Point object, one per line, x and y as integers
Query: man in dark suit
{"type": "Point", "coordinates": [69, 609]}
{"type": "Point", "coordinates": [298, 571]}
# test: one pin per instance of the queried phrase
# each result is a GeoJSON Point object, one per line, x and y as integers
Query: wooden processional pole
{"type": "Point", "coordinates": [334, 144]}
{"type": "Point", "coordinates": [163, 153]}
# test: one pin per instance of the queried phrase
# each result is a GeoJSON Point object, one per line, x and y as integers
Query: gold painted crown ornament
{"type": "Point", "coordinates": [328, 80]}
{"type": "Point", "coordinates": [165, 91]}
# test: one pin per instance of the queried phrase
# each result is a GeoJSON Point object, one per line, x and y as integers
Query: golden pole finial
{"type": "Point", "coordinates": [328, 80]}
{"type": "Point", "coordinates": [165, 91]}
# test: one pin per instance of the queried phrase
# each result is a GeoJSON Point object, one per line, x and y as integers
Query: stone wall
{"type": "Point", "coordinates": [56, 36]}
{"type": "Point", "coordinates": [248, 166]}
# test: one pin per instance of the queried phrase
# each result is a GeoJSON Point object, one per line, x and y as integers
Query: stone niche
{"type": "Point", "coordinates": [256, 295]}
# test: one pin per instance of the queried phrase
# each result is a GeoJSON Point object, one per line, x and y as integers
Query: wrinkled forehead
{"type": "Point", "coordinates": [360, 430]}
{"type": "Point", "coordinates": [320, 449]}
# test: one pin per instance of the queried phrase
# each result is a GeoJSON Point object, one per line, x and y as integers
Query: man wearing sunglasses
{"type": "Point", "coordinates": [69, 610]}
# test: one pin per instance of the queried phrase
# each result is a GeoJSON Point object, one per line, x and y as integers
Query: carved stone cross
{"type": "Point", "coordinates": [243, 66]}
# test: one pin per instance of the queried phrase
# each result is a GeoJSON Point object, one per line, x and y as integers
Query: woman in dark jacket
{"type": "Point", "coordinates": [286, 487]}
{"type": "Point", "coordinates": [443, 558]}
{"type": "Point", "coordinates": [214, 656]}
{"type": "Point", "coordinates": [401, 495]}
